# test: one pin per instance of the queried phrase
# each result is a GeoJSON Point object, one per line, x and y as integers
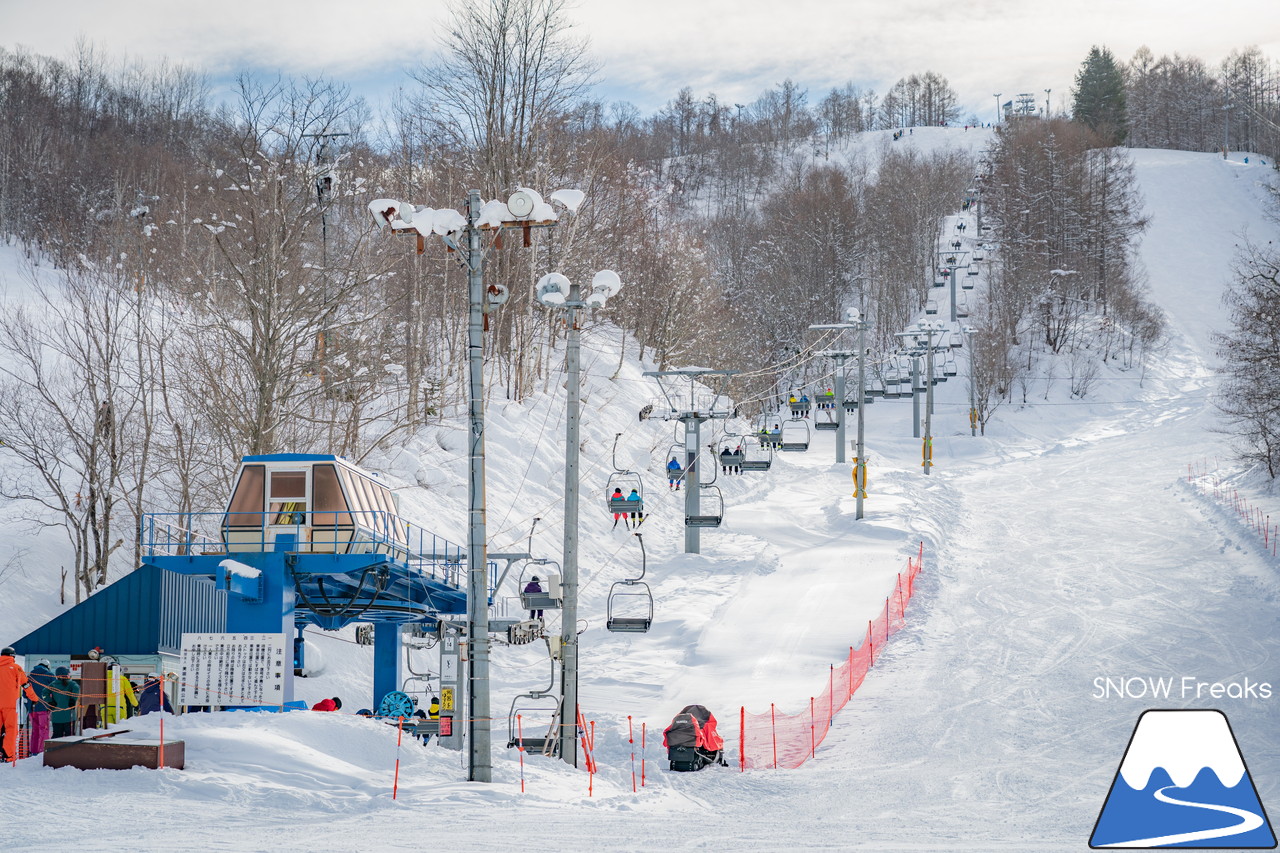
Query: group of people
{"type": "Point", "coordinates": [731, 460]}
{"type": "Point", "coordinates": [799, 407]}
{"type": "Point", "coordinates": [632, 518]}
{"type": "Point", "coordinates": [53, 703]}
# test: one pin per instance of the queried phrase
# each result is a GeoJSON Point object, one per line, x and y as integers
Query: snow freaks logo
{"type": "Point", "coordinates": [1183, 783]}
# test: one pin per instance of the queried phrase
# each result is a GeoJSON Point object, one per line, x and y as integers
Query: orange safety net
{"type": "Point", "coordinates": [776, 739]}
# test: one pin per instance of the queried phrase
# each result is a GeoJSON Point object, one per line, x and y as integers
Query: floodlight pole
{"type": "Point", "coordinates": [481, 766]}
{"type": "Point", "coordinates": [569, 580]}
{"type": "Point", "coordinates": [969, 332]}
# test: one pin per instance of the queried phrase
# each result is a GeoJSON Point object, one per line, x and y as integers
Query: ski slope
{"type": "Point", "coordinates": [1062, 547]}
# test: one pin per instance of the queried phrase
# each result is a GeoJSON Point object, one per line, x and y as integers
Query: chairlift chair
{"type": "Point", "coordinates": [795, 435]}
{"type": "Point", "coordinates": [636, 593]}
{"type": "Point", "coordinates": [767, 436]}
{"type": "Point", "coordinates": [931, 306]}
{"type": "Point", "coordinates": [828, 419]}
{"type": "Point", "coordinates": [735, 457]}
{"type": "Point", "coordinates": [949, 366]}
{"type": "Point", "coordinates": [550, 597]}
{"type": "Point", "coordinates": [541, 742]}
{"type": "Point", "coordinates": [760, 464]}
{"type": "Point", "coordinates": [627, 482]}
{"type": "Point", "coordinates": [712, 519]}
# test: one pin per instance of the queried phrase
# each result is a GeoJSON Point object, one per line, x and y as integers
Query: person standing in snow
{"type": "Point", "coordinates": [333, 704]}
{"type": "Point", "coordinates": [63, 697]}
{"type": "Point", "coordinates": [37, 712]}
{"type": "Point", "coordinates": [13, 685]}
{"type": "Point", "coordinates": [153, 697]}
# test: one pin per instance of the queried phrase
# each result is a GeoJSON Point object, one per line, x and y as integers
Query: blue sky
{"type": "Point", "coordinates": [735, 48]}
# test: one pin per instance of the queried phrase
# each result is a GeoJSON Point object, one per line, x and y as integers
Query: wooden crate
{"type": "Point", "coordinates": [112, 754]}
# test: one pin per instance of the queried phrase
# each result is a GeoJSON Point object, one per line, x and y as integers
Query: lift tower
{"type": "Point", "coordinates": [701, 407]}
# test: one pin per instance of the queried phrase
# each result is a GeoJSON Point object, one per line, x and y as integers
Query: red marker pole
{"type": "Point", "coordinates": [395, 786]}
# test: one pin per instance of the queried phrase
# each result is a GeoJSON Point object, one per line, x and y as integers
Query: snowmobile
{"type": "Point", "coordinates": [692, 741]}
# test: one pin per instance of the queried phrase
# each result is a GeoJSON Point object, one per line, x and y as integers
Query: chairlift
{"type": "Point", "coordinates": [735, 455]}
{"type": "Point", "coordinates": [712, 519]}
{"type": "Point", "coordinates": [962, 308]}
{"type": "Point", "coordinates": [677, 452]}
{"type": "Point", "coordinates": [627, 483]}
{"type": "Point", "coordinates": [827, 418]}
{"type": "Point", "coordinates": [931, 307]}
{"type": "Point", "coordinates": [763, 460]}
{"type": "Point", "coordinates": [549, 596]}
{"type": "Point", "coordinates": [798, 406]}
{"type": "Point", "coordinates": [795, 435]}
{"type": "Point", "coordinates": [636, 597]}
{"type": "Point", "coordinates": [769, 437]}
{"type": "Point", "coordinates": [533, 738]}
{"type": "Point", "coordinates": [949, 366]}
{"type": "Point", "coordinates": [939, 282]}
{"type": "Point", "coordinates": [827, 399]}
{"type": "Point", "coordinates": [875, 385]}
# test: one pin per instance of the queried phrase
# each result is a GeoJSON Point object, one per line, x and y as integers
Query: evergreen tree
{"type": "Point", "coordinates": [1099, 96]}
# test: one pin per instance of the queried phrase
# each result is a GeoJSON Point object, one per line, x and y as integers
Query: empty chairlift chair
{"type": "Point", "coordinates": [712, 515]}
{"type": "Point", "coordinates": [795, 435]}
{"type": "Point", "coordinates": [760, 459]}
{"type": "Point", "coordinates": [533, 724]}
{"type": "Point", "coordinates": [630, 604]}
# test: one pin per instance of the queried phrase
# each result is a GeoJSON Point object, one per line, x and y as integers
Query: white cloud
{"type": "Point", "coordinates": [735, 48]}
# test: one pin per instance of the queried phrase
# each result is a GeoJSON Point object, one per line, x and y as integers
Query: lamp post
{"type": "Point", "coordinates": [1046, 103]}
{"type": "Point", "coordinates": [997, 96]}
{"type": "Point", "coordinates": [524, 210]}
{"type": "Point", "coordinates": [556, 291]}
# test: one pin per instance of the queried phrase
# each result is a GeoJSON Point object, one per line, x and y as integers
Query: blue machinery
{"type": "Point", "coordinates": [313, 540]}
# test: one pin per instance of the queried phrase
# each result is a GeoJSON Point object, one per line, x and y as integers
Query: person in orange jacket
{"type": "Point", "coordinates": [13, 684]}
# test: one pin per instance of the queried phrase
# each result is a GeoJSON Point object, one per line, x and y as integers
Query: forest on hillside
{"type": "Point", "coordinates": [221, 289]}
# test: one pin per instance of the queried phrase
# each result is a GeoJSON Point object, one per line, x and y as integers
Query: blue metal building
{"type": "Point", "coordinates": [305, 539]}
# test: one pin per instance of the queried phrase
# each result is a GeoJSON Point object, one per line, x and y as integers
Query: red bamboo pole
{"type": "Point", "coordinates": [813, 741]}
{"type": "Point", "coordinates": [395, 786]}
{"type": "Point", "coordinates": [742, 738]}
{"type": "Point", "coordinates": [773, 726]}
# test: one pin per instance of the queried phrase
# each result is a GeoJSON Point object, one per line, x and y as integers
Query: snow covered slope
{"type": "Point", "coordinates": [1060, 548]}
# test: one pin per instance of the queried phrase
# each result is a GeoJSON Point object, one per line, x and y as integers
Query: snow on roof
{"type": "Point", "coordinates": [238, 568]}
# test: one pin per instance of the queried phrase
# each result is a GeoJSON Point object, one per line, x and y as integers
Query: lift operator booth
{"type": "Point", "coordinates": [312, 539]}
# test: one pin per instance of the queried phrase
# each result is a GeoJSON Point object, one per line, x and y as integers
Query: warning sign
{"type": "Point", "coordinates": [446, 699]}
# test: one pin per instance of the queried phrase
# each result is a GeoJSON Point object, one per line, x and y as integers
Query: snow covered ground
{"type": "Point", "coordinates": [1062, 547]}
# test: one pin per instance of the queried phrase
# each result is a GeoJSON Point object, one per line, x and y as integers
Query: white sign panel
{"type": "Point", "coordinates": [232, 669]}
